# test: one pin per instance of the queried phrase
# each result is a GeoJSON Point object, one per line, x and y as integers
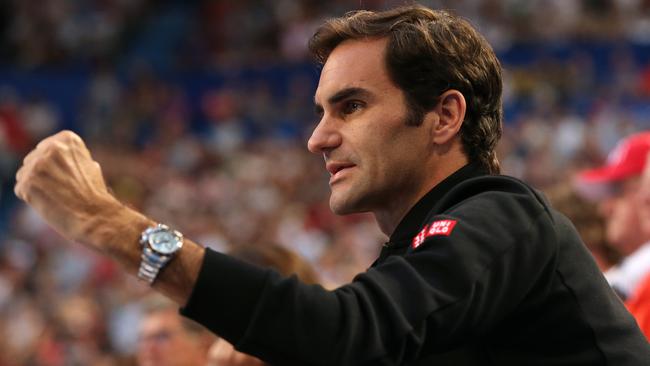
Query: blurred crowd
{"type": "Point", "coordinates": [199, 115]}
{"type": "Point", "coordinates": [225, 33]}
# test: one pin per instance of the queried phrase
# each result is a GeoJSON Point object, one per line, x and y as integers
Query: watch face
{"type": "Point", "coordinates": [164, 242]}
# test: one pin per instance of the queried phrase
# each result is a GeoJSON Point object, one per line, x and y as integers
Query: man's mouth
{"type": "Point", "coordinates": [336, 167]}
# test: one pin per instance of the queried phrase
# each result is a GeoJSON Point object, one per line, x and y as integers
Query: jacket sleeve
{"type": "Point", "coordinates": [450, 289]}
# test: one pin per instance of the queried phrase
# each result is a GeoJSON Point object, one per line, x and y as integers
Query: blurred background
{"type": "Point", "coordinates": [199, 113]}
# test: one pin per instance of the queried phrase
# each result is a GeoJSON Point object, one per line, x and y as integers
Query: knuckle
{"type": "Point", "coordinates": [65, 133]}
{"type": "Point", "coordinates": [45, 155]}
{"type": "Point", "coordinates": [17, 191]}
{"type": "Point", "coordinates": [21, 190]}
{"type": "Point", "coordinates": [54, 150]}
{"type": "Point", "coordinates": [41, 168]}
{"type": "Point", "coordinates": [63, 137]}
{"type": "Point", "coordinates": [28, 158]}
{"type": "Point", "coordinates": [72, 141]}
{"type": "Point", "coordinates": [43, 144]}
{"type": "Point", "coordinates": [26, 162]}
{"type": "Point", "coordinates": [70, 136]}
{"type": "Point", "coordinates": [60, 147]}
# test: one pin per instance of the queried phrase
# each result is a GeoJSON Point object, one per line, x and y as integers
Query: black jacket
{"type": "Point", "coordinates": [481, 271]}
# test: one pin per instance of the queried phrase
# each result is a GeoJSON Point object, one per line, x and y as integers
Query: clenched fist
{"type": "Point", "coordinates": [62, 182]}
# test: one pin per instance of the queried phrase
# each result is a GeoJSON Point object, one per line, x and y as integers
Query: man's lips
{"type": "Point", "coordinates": [335, 167]}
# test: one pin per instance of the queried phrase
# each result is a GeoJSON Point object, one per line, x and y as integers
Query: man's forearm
{"type": "Point", "coordinates": [118, 235]}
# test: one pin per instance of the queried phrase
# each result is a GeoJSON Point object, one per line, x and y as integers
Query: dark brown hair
{"type": "Point", "coordinates": [428, 53]}
{"type": "Point", "coordinates": [590, 225]}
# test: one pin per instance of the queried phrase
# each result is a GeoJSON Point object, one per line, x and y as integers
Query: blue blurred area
{"type": "Point", "coordinates": [160, 33]}
{"type": "Point", "coordinates": [66, 88]}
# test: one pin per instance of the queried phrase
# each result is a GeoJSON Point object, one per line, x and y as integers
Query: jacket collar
{"type": "Point", "coordinates": [414, 219]}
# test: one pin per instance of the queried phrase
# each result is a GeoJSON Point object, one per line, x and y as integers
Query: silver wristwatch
{"type": "Point", "coordinates": [159, 244]}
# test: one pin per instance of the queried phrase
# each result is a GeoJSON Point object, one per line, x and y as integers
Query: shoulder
{"type": "Point", "coordinates": [489, 214]}
{"type": "Point", "coordinates": [489, 226]}
{"type": "Point", "coordinates": [497, 198]}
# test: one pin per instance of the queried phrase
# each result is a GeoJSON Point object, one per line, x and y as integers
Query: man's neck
{"type": "Point", "coordinates": [388, 220]}
{"type": "Point", "coordinates": [389, 216]}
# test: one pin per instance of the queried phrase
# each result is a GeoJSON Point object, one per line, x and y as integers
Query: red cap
{"type": "Point", "coordinates": [627, 160]}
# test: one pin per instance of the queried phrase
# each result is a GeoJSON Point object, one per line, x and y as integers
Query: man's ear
{"type": "Point", "coordinates": [451, 113]}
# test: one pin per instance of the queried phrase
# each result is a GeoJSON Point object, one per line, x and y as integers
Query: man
{"type": "Point", "coordinates": [167, 339]}
{"type": "Point", "coordinates": [478, 269]}
{"type": "Point", "coordinates": [616, 186]}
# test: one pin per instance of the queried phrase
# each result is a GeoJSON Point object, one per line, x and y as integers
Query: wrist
{"type": "Point", "coordinates": [117, 233]}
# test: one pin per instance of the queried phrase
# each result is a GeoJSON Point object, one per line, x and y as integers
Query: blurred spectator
{"type": "Point", "coordinates": [227, 130]}
{"type": "Point", "coordinates": [168, 339]}
{"type": "Point", "coordinates": [14, 136]}
{"type": "Point", "coordinates": [40, 118]}
{"type": "Point", "coordinates": [617, 185]}
{"type": "Point", "coordinates": [590, 225]}
{"type": "Point", "coordinates": [56, 32]}
{"type": "Point", "coordinates": [101, 104]}
{"type": "Point", "coordinates": [277, 257]}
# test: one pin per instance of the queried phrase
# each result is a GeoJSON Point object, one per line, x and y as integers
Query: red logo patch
{"type": "Point", "coordinates": [440, 227]}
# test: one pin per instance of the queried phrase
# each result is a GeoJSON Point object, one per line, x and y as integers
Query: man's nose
{"type": "Point", "coordinates": [324, 138]}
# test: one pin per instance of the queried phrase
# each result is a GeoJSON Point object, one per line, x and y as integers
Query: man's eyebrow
{"type": "Point", "coordinates": [342, 95]}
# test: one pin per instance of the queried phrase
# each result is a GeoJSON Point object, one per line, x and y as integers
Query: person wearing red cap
{"type": "Point", "coordinates": [616, 186]}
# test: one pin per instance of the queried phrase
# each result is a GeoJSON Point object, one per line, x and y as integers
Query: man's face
{"type": "Point", "coordinates": [165, 342]}
{"type": "Point", "coordinates": [375, 160]}
{"type": "Point", "coordinates": [621, 213]}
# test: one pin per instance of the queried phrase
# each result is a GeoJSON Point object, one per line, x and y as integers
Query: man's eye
{"type": "Point", "coordinates": [351, 107]}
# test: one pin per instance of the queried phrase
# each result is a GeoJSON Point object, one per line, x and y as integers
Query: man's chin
{"type": "Point", "coordinates": [341, 211]}
{"type": "Point", "coordinates": [344, 206]}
